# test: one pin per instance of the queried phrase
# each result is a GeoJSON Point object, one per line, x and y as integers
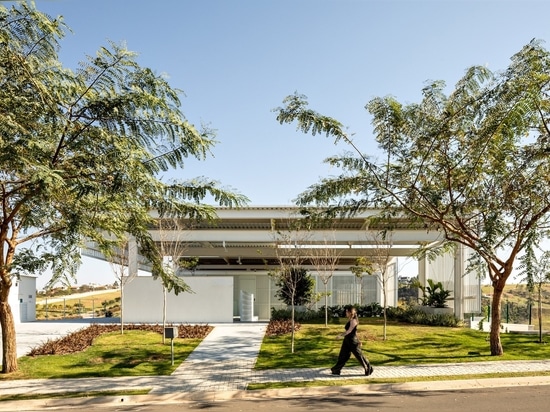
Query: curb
{"type": "Point", "coordinates": [284, 393]}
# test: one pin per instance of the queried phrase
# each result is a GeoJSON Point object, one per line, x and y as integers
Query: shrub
{"type": "Point", "coordinates": [83, 338]}
{"type": "Point", "coordinates": [409, 314]}
{"type": "Point", "coordinates": [414, 315]}
{"type": "Point", "coordinates": [371, 310]}
{"type": "Point", "coordinates": [299, 316]}
{"type": "Point", "coordinates": [434, 295]}
{"type": "Point", "coordinates": [281, 327]}
{"type": "Point", "coordinates": [364, 311]}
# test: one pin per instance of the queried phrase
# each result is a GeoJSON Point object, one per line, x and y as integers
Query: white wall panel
{"type": "Point", "coordinates": [210, 302]}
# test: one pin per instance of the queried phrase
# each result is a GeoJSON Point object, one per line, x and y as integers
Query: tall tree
{"type": "Point", "coordinates": [81, 154]}
{"type": "Point", "coordinates": [473, 164]}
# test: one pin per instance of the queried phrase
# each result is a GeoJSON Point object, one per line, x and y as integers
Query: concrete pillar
{"type": "Point", "coordinates": [132, 257]}
{"type": "Point", "coordinates": [459, 282]}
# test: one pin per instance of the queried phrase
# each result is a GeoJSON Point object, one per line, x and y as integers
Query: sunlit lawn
{"type": "Point", "coordinates": [316, 346]}
{"type": "Point", "coordinates": [140, 353]}
{"type": "Point", "coordinates": [134, 353]}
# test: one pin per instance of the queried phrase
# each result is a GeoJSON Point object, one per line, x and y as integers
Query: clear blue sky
{"type": "Point", "coordinates": [237, 60]}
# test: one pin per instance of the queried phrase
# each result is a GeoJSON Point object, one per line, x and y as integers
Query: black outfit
{"type": "Point", "coordinates": [351, 345]}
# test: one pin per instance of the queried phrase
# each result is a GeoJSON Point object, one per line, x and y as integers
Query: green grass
{"type": "Point", "coordinates": [134, 353]}
{"type": "Point", "coordinates": [316, 346]}
{"type": "Point", "coordinates": [140, 353]}
{"type": "Point", "coordinates": [70, 395]}
{"type": "Point", "coordinates": [373, 380]}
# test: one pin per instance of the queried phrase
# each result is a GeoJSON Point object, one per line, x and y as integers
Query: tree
{"type": "Point", "coordinates": [118, 259]}
{"type": "Point", "coordinates": [171, 245]}
{"type": "Point", "coordinates": [325, 259]}
{"type": "Point", "coordinates": [473, 164]}
{"type": "Point", "coordinates": [294, 283]}
{"type": "Point", "coordinates": [295, 286]}
{"type": "Point", "coordinates": [379, 263]}
{"type": "Point", "coordinates": [81, 154]}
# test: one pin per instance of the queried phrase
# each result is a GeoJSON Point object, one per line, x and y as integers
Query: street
{"type": "Point", "coordinates": [504, 399]}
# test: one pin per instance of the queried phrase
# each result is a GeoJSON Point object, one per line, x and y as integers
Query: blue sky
{"type": "Point", "coordinates": [237, 60]}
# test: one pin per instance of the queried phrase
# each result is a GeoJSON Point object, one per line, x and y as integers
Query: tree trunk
{"type": "Point", "coordinates": [292, 326]}
{"type": "Point", "coordinates": [494, 338]}
{"type": "Point", "coordinates": [9, 345]}
{"type": "Point", "coordinates": [121, 306]}
{"type": "Point", "coordinates": [163, 313]}
{"type": "Point", "coordinates": [326, 304]}
{"type": "Point", "coordinates": [539, 309]}
{"type": "Point", "coordinates": [384, 313]}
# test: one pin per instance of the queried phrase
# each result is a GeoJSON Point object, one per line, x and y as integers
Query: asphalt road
{"type": "Point", "coordinates": [503, 399]}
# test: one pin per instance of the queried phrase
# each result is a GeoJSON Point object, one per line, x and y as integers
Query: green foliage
{"type": "Point", "coordinates": [472, 164]}
{"type": "Point", "coordinates": [189, 263]}
{"type": "Point", "coordinates": [299, 316]}
{"type": "Point", "coordinates": [89, 352]}
{"type": "Point", "coordinates": [84, 338]}
{"type": "Point", "coordinates": [334, 312]}
{"type": "Point", "coordinates": [414, 315]}
{"type": "Point", "coordinates": [370, 310]}
{"type": "Point", "coordinates": [81, 152]}
{"type": "Point", "coordinates": [363, 265]}
{"type": "Point", "coordinates": [433, 295]}
{"type": "Point", "coordinates": [407, 344]}
{"type": "Point", "coordinates": [295, 286]}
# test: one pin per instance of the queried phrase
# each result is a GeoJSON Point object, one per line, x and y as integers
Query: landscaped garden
{"type": "Point", "coordinates": [102, 351]}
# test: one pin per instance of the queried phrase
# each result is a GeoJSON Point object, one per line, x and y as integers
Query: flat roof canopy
{"type": "Point", "coordinates": [253, 238]}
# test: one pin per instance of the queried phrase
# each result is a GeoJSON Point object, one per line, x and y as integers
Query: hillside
{"type": "Point", "coordinates": [518, 305]}
{"type": "Point", "coordinates": [90, 304]}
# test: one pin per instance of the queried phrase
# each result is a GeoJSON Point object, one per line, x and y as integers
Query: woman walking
{"type": "Point", "coordinates": [351, 344]}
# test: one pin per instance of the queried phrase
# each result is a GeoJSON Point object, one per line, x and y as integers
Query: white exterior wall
{"type": "Point", "coordinates": [450, 270]}
{"type": "Point", "coordinates": [211, 302]}
{"type": "Point", "coordinates": [13, 300]}
{"type": "Point", "coordinates": [22, 299]}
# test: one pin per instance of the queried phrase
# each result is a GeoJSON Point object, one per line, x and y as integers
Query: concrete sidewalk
{"type": "Point", "coordinates": [221, 367]}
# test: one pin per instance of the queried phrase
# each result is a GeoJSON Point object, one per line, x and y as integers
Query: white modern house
{"type": "Point", "coordinates": [233, 256]}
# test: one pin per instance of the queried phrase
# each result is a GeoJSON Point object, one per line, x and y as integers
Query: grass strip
{"type": "Point", "coordinates": [347, 382]}
{"type": "Point", "coordinates": [70, 395]}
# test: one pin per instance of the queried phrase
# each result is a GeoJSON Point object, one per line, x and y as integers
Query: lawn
{"type": "Point", "coordinates": [141, 353]}
{"type": "Point", "coordinates": [134, 353]}
{"type": "Point", "coordinates": [316, 346]}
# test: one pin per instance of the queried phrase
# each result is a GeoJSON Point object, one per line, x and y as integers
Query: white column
{"type": "Point", "coordinates": [459, 268]}
{"type": "Point", "coordinates": [132, 257]}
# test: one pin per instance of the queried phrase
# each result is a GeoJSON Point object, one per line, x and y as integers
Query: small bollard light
{"type": "Point", "coordinates": [171, 332]}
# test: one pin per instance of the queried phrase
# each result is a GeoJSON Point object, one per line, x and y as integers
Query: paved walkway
{"type": "Point", "coordinates": [222, 367]}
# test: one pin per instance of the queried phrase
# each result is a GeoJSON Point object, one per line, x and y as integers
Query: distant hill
{"type": "Point", "coordinates": [518, 305]}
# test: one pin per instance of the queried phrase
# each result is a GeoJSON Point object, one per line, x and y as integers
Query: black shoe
{"type": "Point", "coordinates": [333, 372]}
{"type": "Point", "coordinates": [369, 370]}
